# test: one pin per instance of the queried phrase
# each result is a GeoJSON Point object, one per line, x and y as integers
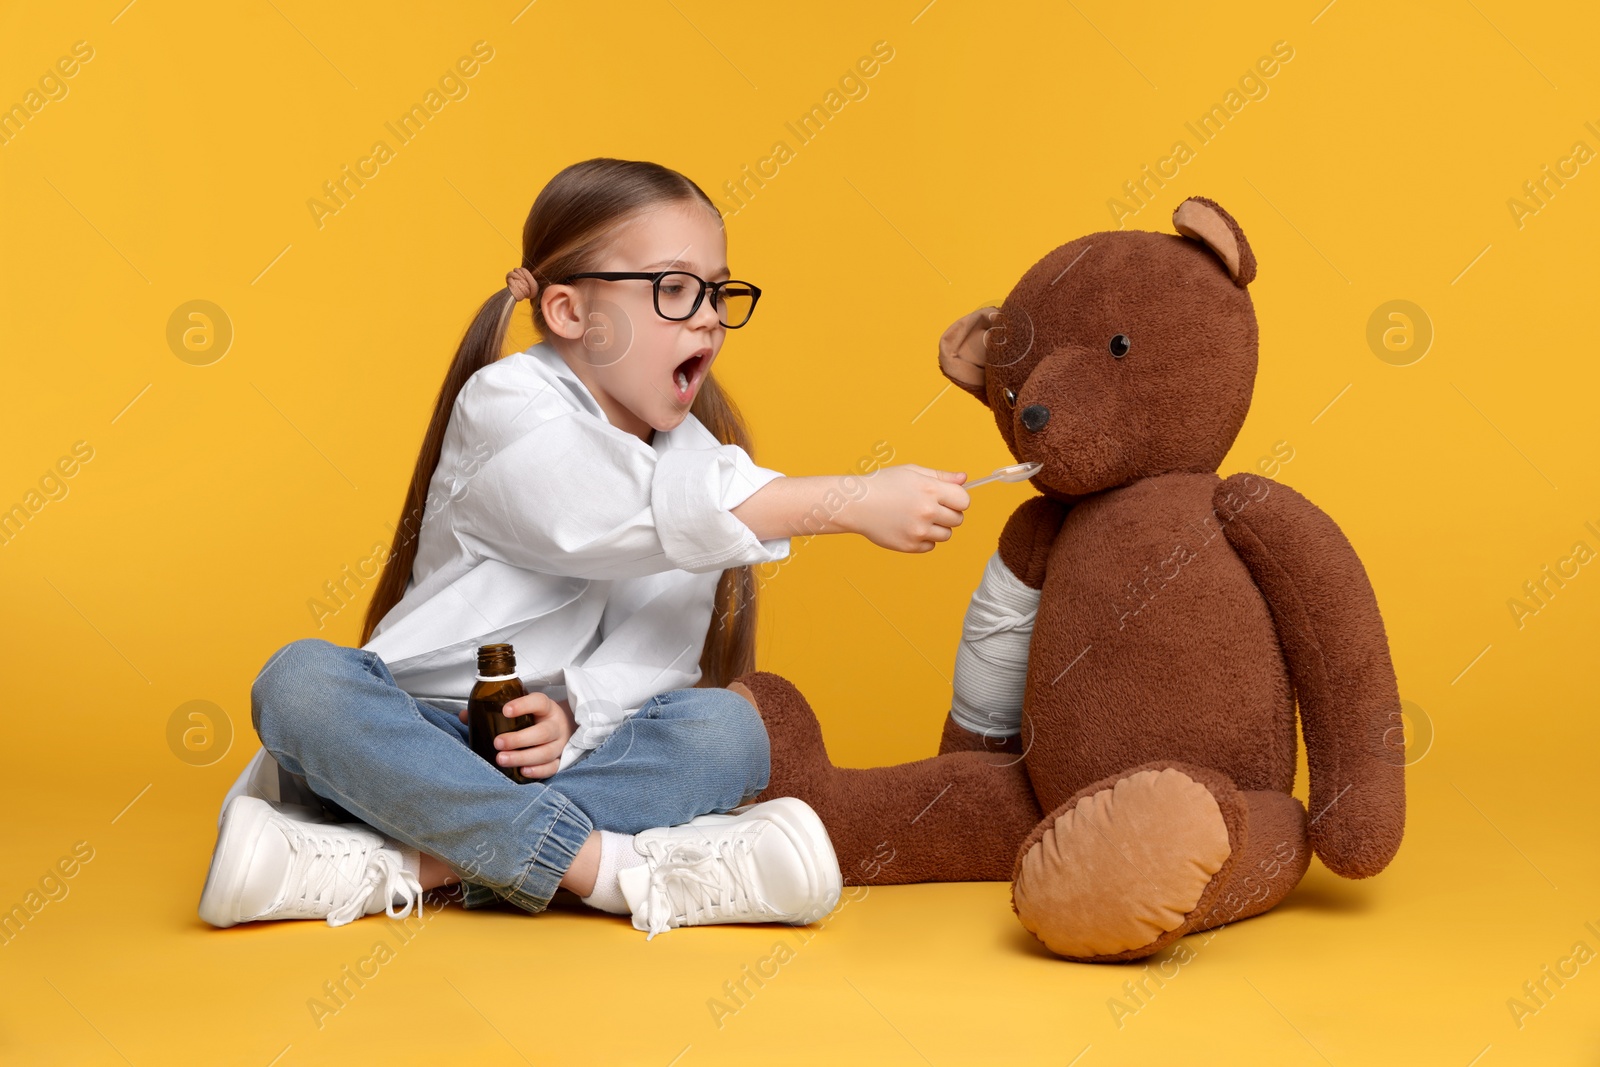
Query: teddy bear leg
{"type": "Point", "coordinates": [1275, 856]}
{"type": "Point", "coordinates": [957, 817]}
{"type": "Point", "coordinates": [1119, 869]}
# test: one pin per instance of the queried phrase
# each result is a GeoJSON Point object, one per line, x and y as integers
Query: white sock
{"type": "Point", "coordinates": [411, 860]}
{"type": "Point", "coordinates": [616, 853]}
{"type": "Point", "coordinates": [409, 857]}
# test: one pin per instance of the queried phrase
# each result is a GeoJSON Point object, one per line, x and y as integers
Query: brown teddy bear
{"type": "Point", "coordinates": [1180, 618]}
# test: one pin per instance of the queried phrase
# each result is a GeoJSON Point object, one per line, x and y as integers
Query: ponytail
{"type": "Point", "coordinates": [479, 348]}
{"type": "Point", "coordinates": [565, 231]}
{"type": "Point", "coordinates": [730, 648]}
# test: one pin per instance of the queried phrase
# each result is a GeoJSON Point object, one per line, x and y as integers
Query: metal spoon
{"type": "Point", "coordinates": [1019, 472]}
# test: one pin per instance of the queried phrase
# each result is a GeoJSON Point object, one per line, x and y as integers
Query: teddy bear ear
{"type": "Point", "coordinates": [1206, 222]}
{"type": "Point", "coordinates": [962, 352]}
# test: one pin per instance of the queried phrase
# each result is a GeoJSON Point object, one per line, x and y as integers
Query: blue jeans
{"type": "Point", "coordinates": [335, 716]}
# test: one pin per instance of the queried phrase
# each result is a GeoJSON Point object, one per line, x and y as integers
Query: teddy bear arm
{"type": "Point", "coordinates": [1025, 542]}
{"type": "Point", "coordinates": [1334, 642]}
{"type": "Point", "coordinates": [991, 672]}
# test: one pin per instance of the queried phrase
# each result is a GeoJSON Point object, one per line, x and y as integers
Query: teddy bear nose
{"type": "Point", "coordinates": [1034, 416]}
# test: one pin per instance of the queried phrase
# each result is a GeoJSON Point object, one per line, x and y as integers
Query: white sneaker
{"type": "Point", "coordinates": [286, 862]}
{"type": "Point", "coordinates": [264, 779]}
{"type": "Point", "coordinates": [767, 862]}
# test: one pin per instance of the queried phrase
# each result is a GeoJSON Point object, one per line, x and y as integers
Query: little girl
{"type": "Point", "coordinates": [592, 502]}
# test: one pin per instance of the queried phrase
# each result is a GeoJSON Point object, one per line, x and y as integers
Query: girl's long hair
{"type": "Point", "coordinates": [565, 233]}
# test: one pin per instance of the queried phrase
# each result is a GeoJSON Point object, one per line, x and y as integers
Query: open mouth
{"type": "Point", "coordinates": [686, 376]}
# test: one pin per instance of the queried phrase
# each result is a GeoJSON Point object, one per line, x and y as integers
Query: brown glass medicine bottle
{"type": "Point", "coordinates": [497, 683]}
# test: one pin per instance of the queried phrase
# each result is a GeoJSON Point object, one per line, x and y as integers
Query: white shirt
{"type": "Point", "coordinates": [594, 554]}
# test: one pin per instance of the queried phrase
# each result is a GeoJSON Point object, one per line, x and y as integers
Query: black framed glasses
{"type": "Point", "coordinates": [678, 293]}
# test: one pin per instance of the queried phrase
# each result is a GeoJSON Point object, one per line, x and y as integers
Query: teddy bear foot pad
{"type": "Point", "coordinates": [1116, 870]}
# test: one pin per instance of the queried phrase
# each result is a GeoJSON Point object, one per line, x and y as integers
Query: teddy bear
{"type": "Point", "coordinates": [1181, 618]}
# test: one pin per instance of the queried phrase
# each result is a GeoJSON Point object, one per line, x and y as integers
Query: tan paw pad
{"type": "Point", "coordinates": [1122, 866]}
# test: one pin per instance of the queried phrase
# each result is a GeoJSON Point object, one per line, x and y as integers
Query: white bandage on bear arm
{"type": "Point", "coordinates": [992, 660]}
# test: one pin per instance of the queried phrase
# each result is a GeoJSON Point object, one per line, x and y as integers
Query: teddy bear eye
{"type": "Point", "coordinates": [1120, 345]}
{"type": "Point", "coordinates": [1011, 398]}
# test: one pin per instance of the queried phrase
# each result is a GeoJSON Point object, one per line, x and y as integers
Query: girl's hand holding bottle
{"type": "Point", "coordinates": [535, 749]}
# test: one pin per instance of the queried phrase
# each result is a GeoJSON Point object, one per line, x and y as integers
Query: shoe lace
{"type": "Point", "coordinates": [385, 874]}
{"type": "Point", "coordinates": [691, 881]}
{"type": "Point", "coordinates": [343, 870]}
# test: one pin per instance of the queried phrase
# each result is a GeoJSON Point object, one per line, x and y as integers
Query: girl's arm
{"type": "Point", "coordinates": [907, 508]}
{"type": "Point", "coordinates": [574, 496]}
{"type": "Point", "coordinates": [569, 494]}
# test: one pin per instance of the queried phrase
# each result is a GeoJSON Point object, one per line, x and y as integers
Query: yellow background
{"type": "Point", "coordinates": [220, 498]}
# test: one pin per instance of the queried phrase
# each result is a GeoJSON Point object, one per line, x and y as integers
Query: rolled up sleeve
{"type": "Point", "coordinates": [693, 495]}
{"type": "Point", "coordinates": [576, 496]}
